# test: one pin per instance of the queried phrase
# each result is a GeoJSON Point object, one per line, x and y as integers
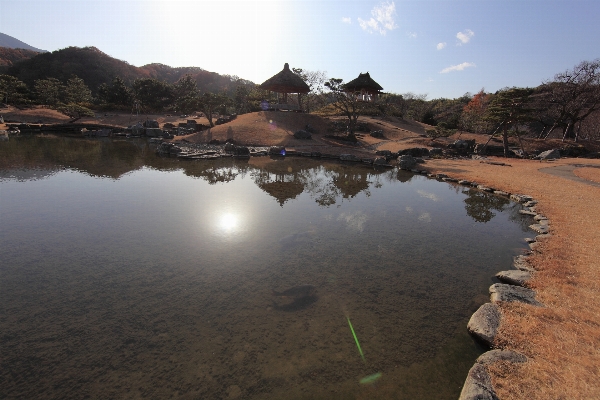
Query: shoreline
{"type": "Point", "coordinates": [561, 340]}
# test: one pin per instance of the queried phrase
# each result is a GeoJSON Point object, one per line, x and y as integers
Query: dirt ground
{"type": "Point", "coordinates": [562, 339]}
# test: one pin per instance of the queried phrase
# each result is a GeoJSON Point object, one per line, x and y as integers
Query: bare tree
{"type": "Point", "coordinates": [572, 96]}
{"type": "Point", "coordinates": [347, 103]}
{"type": "Point", "coordinates": [315, 81]}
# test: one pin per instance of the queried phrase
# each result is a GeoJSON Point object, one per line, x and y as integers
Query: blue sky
{"type": "Point", "coordinates": [439, 48]}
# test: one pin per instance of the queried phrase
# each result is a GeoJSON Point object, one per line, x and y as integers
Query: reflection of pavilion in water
{"type": "Point", "coordinates": [285, 181]}
{"type": "Point", "coordinates": [280, 181]}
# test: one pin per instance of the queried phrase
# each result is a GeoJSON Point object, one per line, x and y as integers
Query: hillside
{"type": "Point", "coordinates": [9, 56]}
{"type": "Point", "coordinates": [96, 67]}
{"type": "Point", "coordinates": [13, 43]}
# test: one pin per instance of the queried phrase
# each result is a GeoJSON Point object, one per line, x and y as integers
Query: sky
{"type": "Point", "coordinates": [441, 48]}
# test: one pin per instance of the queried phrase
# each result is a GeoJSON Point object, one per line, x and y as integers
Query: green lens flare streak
{"type": "Point", "coordinates": [356, 339]}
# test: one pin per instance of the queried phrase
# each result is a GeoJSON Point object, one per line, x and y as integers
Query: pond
{"type": "Point", "coordinates": [127, 275]}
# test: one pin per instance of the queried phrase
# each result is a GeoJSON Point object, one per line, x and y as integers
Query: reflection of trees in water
{"type": "Point", "coordinates": [96, 157]}
{"type": "Point", "coordinates": [318, 185]}
{"type": "Point", "coordinates": [515, 216]}
{"type": "Point", "coordinates": [215, 171]}
{"type": "Point", "coordinates": [351, 182]}
{"type": "Point", "coordinates": [480, 205]}
{"type": "Point", "coordinates": [284, 180]}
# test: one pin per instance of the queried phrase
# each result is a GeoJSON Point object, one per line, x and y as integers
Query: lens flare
{"type": "Point", "coordinates": [367, 380]}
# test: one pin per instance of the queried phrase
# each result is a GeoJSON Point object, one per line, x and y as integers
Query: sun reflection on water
{"type": "Point", "coordinates": [229, 222]}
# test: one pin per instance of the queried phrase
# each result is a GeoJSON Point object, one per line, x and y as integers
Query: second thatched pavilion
{"type": "Point", "coordinates": [365, 87]}
{"type": "Point", "coordinates": [285, 82]}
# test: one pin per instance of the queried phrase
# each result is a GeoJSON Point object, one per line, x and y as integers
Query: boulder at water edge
{"type": "Point", "coordinates": [484, 323]}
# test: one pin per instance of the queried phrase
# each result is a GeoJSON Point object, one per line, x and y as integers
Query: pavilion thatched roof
{"type": "Point", "coordinates": [285, 82]}
{"type": "Point", "coordinates": [363, 82]}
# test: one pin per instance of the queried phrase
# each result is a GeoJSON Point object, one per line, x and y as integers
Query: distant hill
{"type": "Point", "coordinates": [96, 68]}
{"type": "Point", "coordinates": [12, 43]}
{"type": "Point", "coordinates": [9, 56]}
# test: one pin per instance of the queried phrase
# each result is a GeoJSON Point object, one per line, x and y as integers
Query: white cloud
{"type": "Point", "coordinates": [412, 35]}
{"type": "Point", "coordinates": [382, 19]}
{"type": "Point", "coordinates": [425, 217]}
{"type": "Point", "coordinates": [441, 45]}
{"type": "Point", "coordinates": [458, 67]}
{"type": "Point", "coordinates": [465, 36]}
{"type": "Point", "coordinates": [355, 222]}
{"type": "Point", "coordinates": [347, 20]}
{"type": "Point", "coordinates": [427, 195]}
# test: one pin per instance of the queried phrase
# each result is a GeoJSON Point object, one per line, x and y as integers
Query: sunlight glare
{"type": "Point", "coordinates": [216, 35]}
{"type": "Point", "coordinates": [228, 222]}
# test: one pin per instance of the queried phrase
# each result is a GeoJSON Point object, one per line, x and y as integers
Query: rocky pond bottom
{"type": "Point", "coordinates": [125, 275]}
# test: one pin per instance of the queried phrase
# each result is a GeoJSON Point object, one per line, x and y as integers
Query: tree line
{"type": "Point", "coordinates": [569, 102]}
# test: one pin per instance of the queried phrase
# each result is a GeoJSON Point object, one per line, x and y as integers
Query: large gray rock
{"type": "Point", "coordinates": [463, 144]}
{"type": "Point", "coordinates": [150, 124]}
{"type": "Point", "coordinates": [277, 151]}
{"type": "Point", "coordinates": [521, 198]}
{"type": "Point", "coordinates": [229, 147]}
{"type": "Point", "coordinates": [514, 277]}
{"type": "Point", "coordinates": [540, 228]}
{"type": "Point", "coordinates": [415, 152]}
{"type": "Point", "coordinates": [241, 151]}
{"type": "Point", "coordinates": [520, 262]}
{"type": "Point", "coordinates": [549, 155]}
{"type": "Point", "coordinates": [406, 162]}
{"type": "Point", "coordinates": [384, 153]}
{"type": "Point", "coordinates": [302, 134]}
{"type": "Point", "coordinates": [380, 161]}
{"type": "Point", "coordinates": [154, 132]}
{"type": "Point", "coordinates": [349, 157]}
{"type": "Point", "coordinates": [504, 292]}
{"type": "Point", "coordinates": [478, 385]}
{"type": "Point", "coordinates": [484, 323]}
{"type": "Point", "coordinates": [436, 152]}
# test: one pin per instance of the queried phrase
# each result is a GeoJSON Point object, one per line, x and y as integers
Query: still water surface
{"type": "Point", "coordinates": [125, 275]}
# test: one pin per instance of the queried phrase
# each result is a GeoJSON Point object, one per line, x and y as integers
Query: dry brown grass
{"type": "Point", "coordinates": [591, 174]}
{"type": "Point", "coordinates": [562, 340]}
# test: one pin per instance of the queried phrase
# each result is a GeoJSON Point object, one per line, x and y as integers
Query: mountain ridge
{"type": "Point", "coordinates": [96, 67]}
{"type": "Point", "coordinates": [14, 43]}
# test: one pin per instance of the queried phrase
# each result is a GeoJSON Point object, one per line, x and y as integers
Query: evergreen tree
{"type": "Point", "coordinates": [152, 93]}
{"type": "Point", "coordinates": [117, 93]}
{"type": "Point", "coordinates": [12, 90]}
{"type": "Point", "coordinates": [48, 91]}
{"type": "Point", "coordinates": [509, 108]}
{"type": "Point", "coordinates": [76, 91]}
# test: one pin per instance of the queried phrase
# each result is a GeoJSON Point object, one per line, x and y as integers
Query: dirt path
{"type": "Point", "coordinates": [567, 172]}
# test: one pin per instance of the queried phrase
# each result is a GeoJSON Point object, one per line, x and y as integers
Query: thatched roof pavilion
{"type": "Point", "coordinates": [285, 82]}
{"type": "Point", "coordinates": [364, 84]}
